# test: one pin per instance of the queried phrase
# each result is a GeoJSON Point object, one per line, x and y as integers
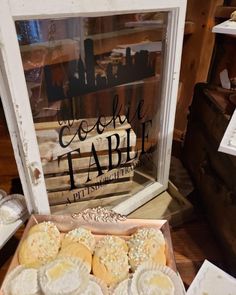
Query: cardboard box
{"type": "Point", "coordinates": [101, 222]}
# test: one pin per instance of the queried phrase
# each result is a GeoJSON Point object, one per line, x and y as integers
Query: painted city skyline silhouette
{"type": "Point", "coordinates": [81, 77]}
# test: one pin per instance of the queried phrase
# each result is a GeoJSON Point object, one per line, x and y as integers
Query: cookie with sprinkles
{"type": "Point", "coordinates": [146, 244]}
{"type": "Point", "coordinates": [37, 249]}
{"type": "Point", "coordinates": [48, 227]}
{"type": "Point", "coordinates": [110, 260]}
{"type": "Point", "coordinates": [80, 235]}
{"type": "Point", "coordinates": [112, 240]}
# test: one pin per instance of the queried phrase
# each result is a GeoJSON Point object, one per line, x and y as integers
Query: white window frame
{"type": "Point", "coordinates": [13, 89]}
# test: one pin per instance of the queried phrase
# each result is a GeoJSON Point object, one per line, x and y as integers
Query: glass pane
{"type": "Point", "coordinates": [95, 91]}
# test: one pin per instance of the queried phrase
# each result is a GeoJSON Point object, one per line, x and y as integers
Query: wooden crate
{"type": "Point", "coordinates": [64, 187]}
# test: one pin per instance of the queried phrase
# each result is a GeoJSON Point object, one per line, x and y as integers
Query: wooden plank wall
{"type": "Point", "coordinates": [196, 57]}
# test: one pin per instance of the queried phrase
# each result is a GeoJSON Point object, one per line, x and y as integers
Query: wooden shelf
{"type": "Point", "coordinates": [37, 55]}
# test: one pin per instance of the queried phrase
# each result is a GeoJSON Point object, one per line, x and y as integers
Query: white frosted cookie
{"type": "Point", "coordinates": [123, 288]}
{"type": "Point", "coordinates": [22, 281]}
{"type": "Point", "coordinates": [12, 208]}
{"type": "Point", "coordinates": [146, 244]}
{"type": "Point", "coordinates": [48, 227]}
{"type": "Point", "coordinates": [37, 249]}
{"type": "Point", "coordinates": [63, 276]}
{"type": "Point", "coordinates": [110, 260]}
{"type": "Point", "coordinates": [150, 281]}
{"type": "Point", "coordinates": [80, 235]}
{"type": "Point", "coordinates": [95, 287]}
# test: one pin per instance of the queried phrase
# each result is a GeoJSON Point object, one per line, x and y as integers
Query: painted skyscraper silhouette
{"type": "Point", "coordinates": [82, 78]}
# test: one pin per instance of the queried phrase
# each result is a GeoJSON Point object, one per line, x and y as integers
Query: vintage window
{"type": "Point", "coordinates": [89, 91]}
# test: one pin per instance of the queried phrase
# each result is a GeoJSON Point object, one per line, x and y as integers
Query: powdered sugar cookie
{"type": "Point", "coordinates": [123, 288]}
{"type": "Point", "coordinates": [95, 287]}
{"type": "Point", "coordinates": [23, 281]}
{"type": "Point", "coordinates": [151, 278]}
{"type": "Point", "coordinates": [63, 276]}
{"type": "Point", "coordinates": [153, 282]}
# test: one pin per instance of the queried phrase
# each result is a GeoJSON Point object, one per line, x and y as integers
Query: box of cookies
{"type": "Point", "coordinates": [96, 251]}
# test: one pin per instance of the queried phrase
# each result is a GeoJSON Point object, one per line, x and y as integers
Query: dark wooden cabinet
{"type": "Point", "coordinates": [213, 171]}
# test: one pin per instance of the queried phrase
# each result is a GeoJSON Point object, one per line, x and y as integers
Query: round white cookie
{"type": "Point", "coordinates": [22, 281]}
{"type": "Point", "coordinates": [151, 282]}
{"type": "Point", "coordinates": [123, 288]}
{"type": "Point", "coordinates": [63, 276]}
{"type": "Point", "coordinates": [95, 287]}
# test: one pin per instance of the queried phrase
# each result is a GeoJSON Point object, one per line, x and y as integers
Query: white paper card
{"type": "Point", "coordinates": [228, 142]}
{"type": "Point", "coordinates": [211, 280]}
{"type": "Point", "coordinates": [227, 27]}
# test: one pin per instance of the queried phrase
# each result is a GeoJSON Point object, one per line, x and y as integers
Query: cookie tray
{"type": "Point", "coordinates": [101, 222]}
